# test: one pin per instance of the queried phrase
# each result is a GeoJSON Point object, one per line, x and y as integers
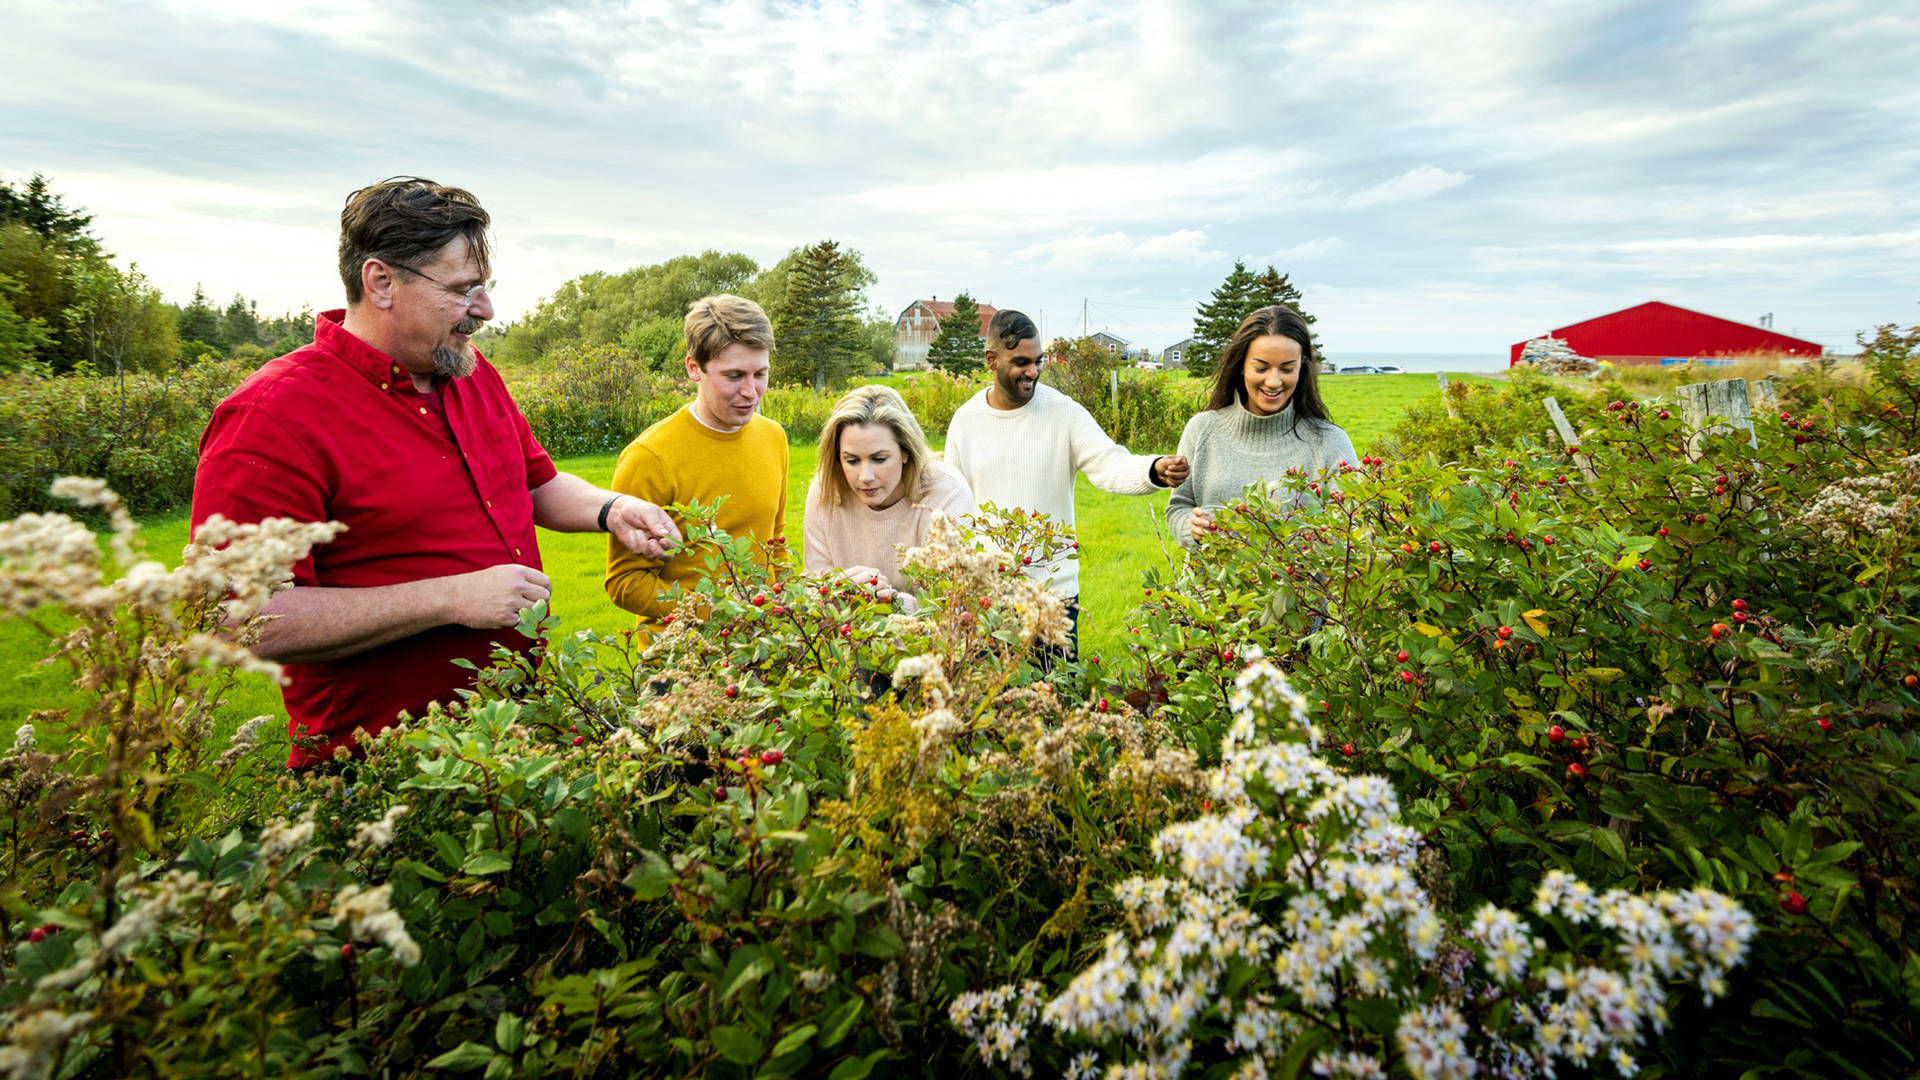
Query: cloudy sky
{"type": "Point", "coordinates": [1436, 177]}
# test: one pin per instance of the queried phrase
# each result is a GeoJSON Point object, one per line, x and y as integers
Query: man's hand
{"type": "Point", "coordinates": [1171, 471]}
{"type": "Point", "coordinates": [1199, 524]}
{"type": "Point", "coordinates": [642, 527]}
{"type": "Point", "coordinates": [495, 596]}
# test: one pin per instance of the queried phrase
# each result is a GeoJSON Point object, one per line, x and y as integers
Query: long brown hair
{"type": "Point", "coordinates": [1230, 383]}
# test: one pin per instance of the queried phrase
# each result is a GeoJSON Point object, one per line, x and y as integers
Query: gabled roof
{"type": "Point", "coordinates": [943, 308]}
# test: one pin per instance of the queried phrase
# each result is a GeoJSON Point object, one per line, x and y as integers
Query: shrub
{"type": "Point", "coordinates": [593, 399]}
{"type": "Point", "coordinates": [1293, 930]}
{"type": "Point", "coordinates": [1690, 671]}
{"type": "Point", "coordinates": [141, 433]}
{"type": "Point", "coordinates": [740, 848]}
{"type": "Point", "coordinates": [934, 396]}
{"type": "Point", "coordinates": [1475, 415]}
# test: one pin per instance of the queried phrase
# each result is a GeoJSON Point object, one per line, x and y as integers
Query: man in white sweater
{"type": "Point", "coordinates": [1019, 444]}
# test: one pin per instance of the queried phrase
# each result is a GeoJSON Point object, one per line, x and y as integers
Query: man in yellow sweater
{"type": "Point", "coordinates": [718, 445]}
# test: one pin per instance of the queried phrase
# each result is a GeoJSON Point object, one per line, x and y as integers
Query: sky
{"type": "Point", "coordinates": [1449, 176]}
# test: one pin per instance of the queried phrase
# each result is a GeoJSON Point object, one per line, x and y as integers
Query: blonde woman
{"type": "Point", "coordinates": [876, 491]}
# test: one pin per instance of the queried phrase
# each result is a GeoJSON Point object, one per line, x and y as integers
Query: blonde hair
{"type": "Point", "coordinates": [865, 405]}
{"type": "Point", "coordinates": [715, 322]}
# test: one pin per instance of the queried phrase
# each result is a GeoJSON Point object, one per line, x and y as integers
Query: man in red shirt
{"type": "Point", "coordinates": [392, 423]}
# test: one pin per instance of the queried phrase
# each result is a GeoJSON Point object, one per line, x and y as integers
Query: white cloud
{"type": "Point", "coordinates": [1441, 172]}
{"type": "Point", "coordinates": [1084, 251]}
{"type": "Point", "coordinates": [1419, 182]}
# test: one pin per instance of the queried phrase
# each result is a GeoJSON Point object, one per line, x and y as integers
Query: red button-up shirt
{"type": "Point", "coordinates": [336, 432]}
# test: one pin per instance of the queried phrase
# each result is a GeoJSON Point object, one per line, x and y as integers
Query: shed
{"type": "Point", "coordinates": [1654, 331]}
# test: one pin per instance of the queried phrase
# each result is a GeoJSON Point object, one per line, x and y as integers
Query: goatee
{"type": "Point", "coordinates": [450, 362]}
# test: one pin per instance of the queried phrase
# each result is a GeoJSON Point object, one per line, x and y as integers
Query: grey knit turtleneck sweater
{"type": "Point", "coordinates": [1230, 448]}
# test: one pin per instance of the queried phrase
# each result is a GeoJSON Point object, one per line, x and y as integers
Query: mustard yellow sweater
{"type": "Point", "coordinates": [681, 460]}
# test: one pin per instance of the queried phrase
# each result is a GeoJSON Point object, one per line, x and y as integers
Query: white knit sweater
{"type": "Point", "coordinates": [1027, 458]}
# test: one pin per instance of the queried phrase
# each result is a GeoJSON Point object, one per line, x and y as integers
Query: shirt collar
{"type": "Point", "coordinates": [330, 333]}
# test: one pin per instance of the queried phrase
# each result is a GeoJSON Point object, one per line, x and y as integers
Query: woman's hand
{"type": "Point", "coordinates": [869, 578]}
{"type": "Point", "coordinates": [1200, 524]}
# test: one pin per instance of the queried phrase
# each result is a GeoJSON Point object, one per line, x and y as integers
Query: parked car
{"type": "Point", "coordinates": [1386, 369]}
{"type": "Point", "coordinates": [1357, 369]}
{"type": "Point", "coordinates": [1148, 365]}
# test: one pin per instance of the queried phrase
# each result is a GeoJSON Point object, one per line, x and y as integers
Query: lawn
{"type": "Point", "coordinates": [1121, 536]}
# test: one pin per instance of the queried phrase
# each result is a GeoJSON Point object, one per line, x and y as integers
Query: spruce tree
{"type": "Point", "coordinates": [958, 348]}
{"type": "Point", "coordinates": [1273, 287]}
{"type": "Point", "coordinates": [240, 323]}
{"type": "Point", "coordinates": [821, 339]}
{"type": "Point", "coordinates": [1218, 318]}
{"type": "Point", "coordinates": [199, 322]}
{"type": "Point", "coordinates": [1240, 295]}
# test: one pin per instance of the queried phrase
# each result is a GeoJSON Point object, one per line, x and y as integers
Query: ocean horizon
{"type": "Point", "coordinates": [1423, 361]}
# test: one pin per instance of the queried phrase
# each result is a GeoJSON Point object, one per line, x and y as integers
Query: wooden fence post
{"type": "Point", "coordinates": [1452, 412]}
{"type": "Point", "coordinates": [1565, 431]}
{"type": "Point", "coordinates": [1724, 398]}
{"type": "Point", "coordinates": [1764, 398]}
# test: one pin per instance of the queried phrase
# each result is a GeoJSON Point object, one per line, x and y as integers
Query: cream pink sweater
{"type": "Point", "coordinates": [852, 534]}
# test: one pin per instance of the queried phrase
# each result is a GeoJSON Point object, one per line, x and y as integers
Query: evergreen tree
{"type": "Point", "coordinates": [1273, 287]}
{"type": "Point", "coordinates": [41, 210]}
{"type": "Point", "coordinates": [959, 347]}
{"type": "Point", "coordinates": [821, 339]}
{"type": "Point", "coordinates": [240, 323]}
{"type": "Point", "coordinates": [1240, 295]}
{"type": "Point", "coordinates": [199, 322]}
{"type": "Point", "coordinates": [1218, 318]}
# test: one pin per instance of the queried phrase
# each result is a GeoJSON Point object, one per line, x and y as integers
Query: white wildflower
{"type": "Point", "coordinates": [282, 838]}
{"type": "Point", "coordinates": [243, 742]}
{"type": "Point", "coordinates": [374, 835]}
{"type": "Point", "coordinates": [365, 915]}
{"type": "Point", "coordinates": [1433, 1043]}
{"type": "Point", "coordinates": [34, 1039]}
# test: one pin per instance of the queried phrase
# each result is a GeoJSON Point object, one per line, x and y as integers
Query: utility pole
{"type": "Point", "coordinates": [1083, 316]}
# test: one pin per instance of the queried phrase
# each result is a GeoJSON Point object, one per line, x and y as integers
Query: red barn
{"type": "Point", "coordinates": [1651, 332]}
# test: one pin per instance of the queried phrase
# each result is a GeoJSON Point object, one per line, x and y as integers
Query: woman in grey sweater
{"type": "Point", "coordinates": [1265, 417]}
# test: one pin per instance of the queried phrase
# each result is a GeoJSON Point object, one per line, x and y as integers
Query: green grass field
{"type": "Point", "coordinates": [1121, 536]}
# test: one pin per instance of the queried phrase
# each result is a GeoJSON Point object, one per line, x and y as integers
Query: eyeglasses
{"type": "Point", "coordinates": [470, 296]}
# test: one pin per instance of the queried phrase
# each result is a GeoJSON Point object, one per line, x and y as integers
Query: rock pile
{"type": "Point", "coordinates": [1552, 356]}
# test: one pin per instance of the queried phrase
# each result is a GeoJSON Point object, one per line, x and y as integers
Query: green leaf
{"type": "Point", "coordinates": [651, 879]}
{"type": "Point", "coordinates": [856, 1068]}
{"type": "Point", "coordinates": [449, 850]}
{"type": "Point", "coordinates": [509, 1032]}
{"type": "Point", "coordinates": [1609, 841]}
{"type": "Point", "coordinates": [794, 1039]}
{"type": "Point", "coordinates": [737, 1044]}
{"type": "Point", "coordinates": [747, 965]}
{"type": "Point", "coordinates": [839, 1022]}
{"type": "Point", "coordinates": [882, 942]}
{"type": "Point", "coordinates": [466, 1057]}
{"type": "Point", "coordinates": [487, 862]}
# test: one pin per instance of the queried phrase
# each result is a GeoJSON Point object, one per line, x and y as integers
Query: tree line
{"type": "Point", "coordinates": [816, 295]}
{"type": "Point", "coordinates": [959, 346]}
{"type": "Point", "coordinates": [65, 306]}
